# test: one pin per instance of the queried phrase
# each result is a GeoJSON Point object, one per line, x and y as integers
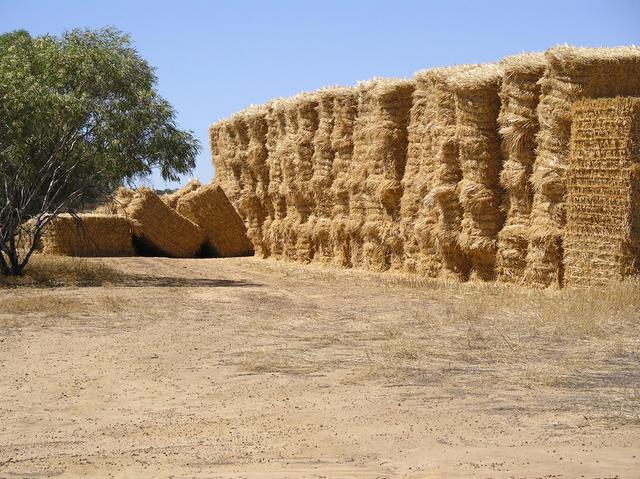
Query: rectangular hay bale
{"type": "Point", "coordinates": [602, 236]}
{"type": "Point", "coordinates": [88, 235]}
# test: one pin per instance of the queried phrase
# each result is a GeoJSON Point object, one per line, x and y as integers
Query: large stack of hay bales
{"type": "Point", "coordinates": [458, 173]}
{"type": "Point", "coordinates": [571, 74]}
{"type": "Point", "coordinates": [602, 238]}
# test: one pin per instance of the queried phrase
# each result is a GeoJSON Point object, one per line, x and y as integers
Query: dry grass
{"type": "Point", "coordinates": [47, 271]}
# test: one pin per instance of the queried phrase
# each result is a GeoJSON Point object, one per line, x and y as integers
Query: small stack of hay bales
{"type": "Point", "coordinates": [305, 107]}
{"type": "Point", "coordinates": [275, 144]}
{"type": "Point", "coordinates": [172, 199]}
{"type": "Point", "coordinates": [322, 180]}
{"type": "Point", "coordinates": [518, 122]}
{"type": "Point", "coordinates": [571, 74]}
{"type": "Point", "coordinates": [477, 107]}
{"type": "Point", "coordinates": [440, 215]}
{"type": "Point", "coordinates": [254, 203]}
{"type": "Point", "coordinates": [88, 235]}
{"type": "Point", "coordinates": [379, 161]}
{"type": "Point", "coordinates": [159, 229]}
{"type": "Point", "coordinates": [224, 231]}
{"type": "Point", "coordinates": [602, 236]}
{"type": "Point", "coordinates": [345, 110]}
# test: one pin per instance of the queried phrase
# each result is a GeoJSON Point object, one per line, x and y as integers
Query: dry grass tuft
{"type": "Point", "coordinates": [50, 271]}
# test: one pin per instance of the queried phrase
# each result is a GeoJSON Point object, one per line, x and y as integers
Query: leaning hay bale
{"type": "Point", "coordinates": [477, 107]}
{"type": "Point", "coordinates": [379, 159]}
{"type": "Point", "coordinates": [88, 235]}
{"type": "Point", "coordinates": [602, 235]}
{"type": "Point", "coordinates": [172, 199]}
{"type": "Point", "coordinates": [518, 122]}
{"type": "Point", "coordinates": [438, 213]}
{"type": "Point", "coordinates": [571, 74]}
{"type": "Point", "coordinates": [160, 230]}
{"type": "Point", "coordinates": [224, 230]}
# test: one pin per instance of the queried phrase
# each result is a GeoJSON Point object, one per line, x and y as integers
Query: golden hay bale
{"type": "Point", "coordinates": [117, 202]}
{"type": "Point", "coordinates": [477, 107]}
{"type": "Point", "coordinates": [518, 122]}
{"type": "Point", "coordinates": [571, 74]}
{"type": "Point", "coordinates": [602, 235]}
{"type": "Point", "coordinates": [88, 235]}
{"type": "Point", "coordinates": [432, 194]}
{"type": "Point", "coordinates": [345, 110]}
{"type": "Point", "coordinates": [379, 159]}
{"type": "Point", "coordinates": [224, 230]}
{"type": "Point", "coordinates": [160, 230]}
{"type": "Point", "coordinates": [172, 199]}
{"type": "Point", "coordinates": [223, 151]}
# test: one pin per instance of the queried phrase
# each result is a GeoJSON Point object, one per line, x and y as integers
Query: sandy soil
{"type": "Point", "coordinates": [246, 368]}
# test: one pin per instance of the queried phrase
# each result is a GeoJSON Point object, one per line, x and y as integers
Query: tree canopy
{"type": "Point", "coordinates": [79, 116]}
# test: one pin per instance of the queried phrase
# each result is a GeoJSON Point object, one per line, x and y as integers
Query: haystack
{"type": "Point", "coordinates": [439, 213]}
{"type": "Point", "coordinates": [379, 159]}
{"type": "Point", "coordinates": [172, 199]}
{"type": "Point", "coordinates": [160, 230]}
{"type": "Point", "coordinates": [602, 235]}
{"type": "Point", "coordinates": [254, 204]}
{"type": "Point", "coordinates": [223, 151]}
{"type": "Point", "coordinates": [518, 122]}
{"type": "Point", "coordinates": [571, 74]}
{"type": "Point", "coordinates": [88, 235]}
{"type": "Point", "coordinates": [345, 109]}
{"type": "Point", "coordinates": [477, 107]}
{"type": "Point", "coordinates": [224, 230]}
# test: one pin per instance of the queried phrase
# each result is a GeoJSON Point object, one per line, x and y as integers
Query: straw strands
{"type": "Point", "coordinates": [224, 230]}
{"type": "Point", "coordinates": [159, 229]}
{"type": "Point", "coordinates": [172, 199]}
{"type": "Point", "coordinates": [602, 237]}
{"type": "Point", "coordinates": [88, 235]}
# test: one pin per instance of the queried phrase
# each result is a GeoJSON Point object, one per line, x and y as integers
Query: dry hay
{"type": "Point", "coordinates": [518, 122]}
{"type": "Point", "coordinates": [159, 229]}
{"type": "Point", "coordinates": [223, 151]}
{"type": "Point", "coordinates": [439, 213]}
{"type": "Point", "coordinates": [602, 236]}
{"type": "Point", "coordinates": [224, 230]}
{"type": "Point", "coordinates": [379, 159]}
{"type": "Point", "coordinates": [571, 74]}
{"type": "Point", "coordinates": [477, 108]}
{"type": "Point", "coordinates": [172, 199]}
{"type": "Point", "coordinates": [345, 110]}
{"type": "Point", "coordinates": [117, 202]}
{"type": "Point", "coordinates": [88, 235]}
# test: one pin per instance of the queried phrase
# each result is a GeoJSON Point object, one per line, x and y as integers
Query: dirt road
{"type": "Point", "coordinates": [246, 368]}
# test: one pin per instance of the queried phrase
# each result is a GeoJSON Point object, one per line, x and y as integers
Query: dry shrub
{"type": "Point", "coordinates": [571, 74]}
{"type": "Point", "coordinates": [62, 271]}
{"type": "Point", "coordinates": [160, 230]}
{"type": "Point", "coordinates": [172, 199]}
{"type": "Point", "coordinates": [224, 230]}
{"type": "Point", "coordinates": [518, 122]}
{"type": "Point", "coordinates": [602, 235]}
{"type": "Point", "coordinates": [477, 108]}
{"type": "Point", "coordinates": [88, 235]}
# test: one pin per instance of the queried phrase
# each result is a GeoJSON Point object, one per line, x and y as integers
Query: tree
{"type": "Point", "coordinates": [79, 116]}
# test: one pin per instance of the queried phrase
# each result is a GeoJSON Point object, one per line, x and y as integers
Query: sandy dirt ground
{"type": "Point", "coordinates": [246, 368]}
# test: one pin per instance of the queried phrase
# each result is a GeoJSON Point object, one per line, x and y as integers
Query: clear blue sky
{"type": "Point", "coordinates": [215, 58]}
